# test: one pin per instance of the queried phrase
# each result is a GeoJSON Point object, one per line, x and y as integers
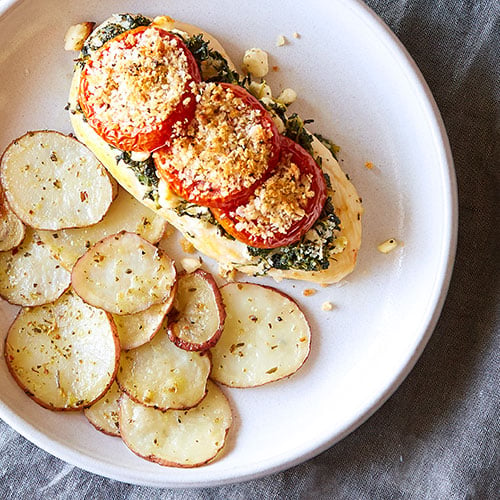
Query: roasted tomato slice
{"type": "Point", "coordinates": [230, 146]}
{"type": "Point", "coordinates": [137, 87]}
{"type": "Point", "coordinates": [284, 207]}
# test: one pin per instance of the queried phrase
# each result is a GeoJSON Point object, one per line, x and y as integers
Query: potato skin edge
{"type": "Point", "coordinates": [221, 312]}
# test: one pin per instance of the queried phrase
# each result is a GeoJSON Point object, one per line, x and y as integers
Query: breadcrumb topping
{"type": "Point", "coordinates": [277, 204]}
{"type": "Point", "coordinates": [226, 147]}
{"type": "Point", "coordinates": [138, 81]}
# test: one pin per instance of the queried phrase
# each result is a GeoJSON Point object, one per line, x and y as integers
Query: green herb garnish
{"type": "Point", "coordinates": [332, 147]}
{"type": "Point", "coordinates": [99, 37]}
{"type": "Point", "coordinates": [145, 171]}
{"type": "Point", "coordinates": [306, 254]}
{"type": "Point", "coordinates": [213, 66]}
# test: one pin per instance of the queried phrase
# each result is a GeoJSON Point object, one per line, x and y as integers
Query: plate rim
{"type": "Point", "coordinates": [440, 287]}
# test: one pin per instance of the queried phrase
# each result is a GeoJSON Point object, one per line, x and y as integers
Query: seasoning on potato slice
{"type": "Point", "coordinates": [104, 414]}
{"type": "Point", "coordinates": [161, 375]}
{"type": "Point", "coordinates": [124, 274]}
{"type": "Point", "coordinates": [12, 230]}
{"type": "Point", "coordinates": [266, 336]}
{"type": "Point", "coordinates": [64, 355]}
{"type": "Point", "coordinates": [52, 181]}
{"type": "Point", "coordinates": [136, 329]}
{"type": "Point", "coordinates": [177, 438]}
{"type": "Point", "coordinates": [198, 314]}
{"type": "Point", "coordinates": [124, 214]}
{"type": "Point", "coordinates": [30, 275]}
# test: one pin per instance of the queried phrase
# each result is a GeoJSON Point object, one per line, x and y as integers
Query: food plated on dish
{"type": "Point", "coordinates": [378, 319]}
{"type": "Point", "coordinates": [234, 174]}
{"type": "Point", "coordinates": [107, 324]}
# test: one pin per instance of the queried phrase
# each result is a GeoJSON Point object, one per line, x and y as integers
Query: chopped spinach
{"type": "Point", "coordinates": [333, 148]}
{"type": "Point", "coordinates": [213, 66]}
{"type": "Point", "coordinates": [328, 181]}
{"type": "Point", "coordinates": [295, 130]}
{"type": "Point", "coordinates": [277, 108]}
{"type": "Point", "coordinates": [199, 212]}
{"type": "Point", "coordinates": [294, 125]}
{"type": "Point", "coordinates": [145, 171]}
{"type": "Point", "coordinates": [120, 24]}
{"type": "Point", "coordinates": [314, 251]}
{"type": "Point", "coordinates": [193, 210]}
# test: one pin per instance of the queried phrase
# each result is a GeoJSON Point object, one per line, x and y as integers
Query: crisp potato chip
{"type": "Point", "coordinates": [64, 355]}
{"type": "Point", "coordinates": [162, 375]}
{"type": "Point", "coordinates": [52, 181]}
{"type": "Point", "coordinates": [124, 214]}
{"type": "Point", "coordinates": [266, 336]}
{"type": "Point", "coordinates": [177, 438]}
{"type": "Point", "coordinates": [124, 274]}
{"type": "Point", "coordinates": [104, 414]}
{"type": "Point", "coordinates": [30, 275]}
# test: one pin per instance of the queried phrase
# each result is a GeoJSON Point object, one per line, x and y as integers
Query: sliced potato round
{"type": "Point", "coordinates": [266, 336]}
{"type": "Point", "coordinates": [30, 275]}
{"type": "Point", "coordinates": [161, 375]}
{"type": "Point", "coordinates": [124, 274]}
{"type": "Point", "coordinates": [12, 229]}
{"type": "Point", "coordinates": [64, 355]}
{"type": "Point", "coordinates": [177, 438]}
{"type": "Point", "coordinates": [136, 329]}
{"type": "Point", "coordinates": [198, 314]}
{"type": "Point", "coordinates": [124, 214]}
{"type": "Point", "coordinates": [104, 414]}
{"type": "Point", "coordinates": [52, 181]}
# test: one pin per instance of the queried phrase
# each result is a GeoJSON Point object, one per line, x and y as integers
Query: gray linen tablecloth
{"type": "Point", "coordinates": [438, 436]}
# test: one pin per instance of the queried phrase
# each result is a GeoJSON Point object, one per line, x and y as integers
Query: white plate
{"type": "Point", "coordinates": [362, 89]}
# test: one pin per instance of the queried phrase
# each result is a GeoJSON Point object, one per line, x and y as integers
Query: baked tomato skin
{"type": "Point", "coordinates": [140, 137]}
{"type": "Point", "coordinates": [210, 194]}
{"type": "Point", "coordinates": [231, 219]}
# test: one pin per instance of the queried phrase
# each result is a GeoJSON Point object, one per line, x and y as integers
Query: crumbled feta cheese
{"type": "Point", "coordinates": [255, 62]}
{"type": "Point", "coordinates": [164, 22]}
{"type": "Point", "coordinates": [139, 156]}
{"type": "Point", "coordinates": [387, 246]}
{"type": "Point", "coordinates": [287, 96]}
{"type": "Point", "coordinates": [260, 90]}
{"type": "Point", "coordinates": [327, 306]}
{"type": "Point", "coordinates": [190, 264]}
{"type": "Point", "coordinates": [280, 41]}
